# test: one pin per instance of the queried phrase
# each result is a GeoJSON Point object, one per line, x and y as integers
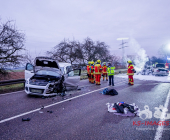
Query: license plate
{"type": "Point", "coordinates": [36, 90]}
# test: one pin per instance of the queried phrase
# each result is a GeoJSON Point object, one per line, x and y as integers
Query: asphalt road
{"type": "Point", "coordinates": [82, 114]}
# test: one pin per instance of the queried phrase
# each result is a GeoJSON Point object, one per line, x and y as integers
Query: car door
{"type": "Point", "coordinates": [72, 77]}
{"type": "Point", "coordinates": [29, 71]}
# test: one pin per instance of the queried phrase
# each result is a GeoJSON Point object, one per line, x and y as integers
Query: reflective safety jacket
{"type": "Point", "coordinates": [92, 69]}
{"type": "Point", "coordinates": [88, 69]}
{"type": "Point", "coordinates": [98, 69]}
{"type": "Point", "coordinates": [130, 70]}
{"type": "Point", "coordinates": [104, 68]}
{"type": "Point", "coordinates": [110, 70]}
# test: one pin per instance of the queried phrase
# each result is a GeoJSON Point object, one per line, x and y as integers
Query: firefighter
{"type": "Point", "coordinates": [88, 71]}
{"type": "Point", "coordinates": [92, 72]}
{"type": "Point", "coordinates": [110, 71]}
{"type": "Point", "coordinates": [104, 71]}
{"type": "Point", "coordinates": [98, 71]}
{"type": "Point", "coordinates": [130, 72]}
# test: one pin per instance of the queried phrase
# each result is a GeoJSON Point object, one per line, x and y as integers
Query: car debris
{"type": "Point", "coordinates": [27, 119]}
{"type": "Point", "coordinates": [42, 107]}
{"type": "Point", "coordinates": [50, 111]}
{"type": "Point", "coordinates": [41, 112]}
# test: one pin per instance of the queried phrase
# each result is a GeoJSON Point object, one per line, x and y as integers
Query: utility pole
{"type": "Point", "coordinates": [122, 47]}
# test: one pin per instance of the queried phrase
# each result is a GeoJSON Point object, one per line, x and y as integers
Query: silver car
{"type": "Point", "coordinates": [160, 70]}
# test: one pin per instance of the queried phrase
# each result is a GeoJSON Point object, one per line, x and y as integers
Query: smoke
{"type": "Point", "coordinates": [137, 54]}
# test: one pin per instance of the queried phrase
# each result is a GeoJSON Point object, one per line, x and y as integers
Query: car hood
{"type": "Point", "coordinates": [43, 80]}
{"type": "Point", "coordinates": [46, 62]}
{"type": "Point", "coordinates": [38, 68]}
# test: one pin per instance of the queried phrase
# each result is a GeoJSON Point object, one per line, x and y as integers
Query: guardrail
{"type": "Point", "coordinates": [10, 82]}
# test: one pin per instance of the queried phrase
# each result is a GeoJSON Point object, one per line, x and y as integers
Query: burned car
{"type": "Point", "coordinates": [146, 70]}
{"type": "Point", "coordinates": [47, 78]}
{"type": "Point", "coordinates": [160, 70]}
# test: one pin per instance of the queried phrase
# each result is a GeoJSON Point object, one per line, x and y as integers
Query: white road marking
{"type": "Point", "coordinates": [10, 93]}
{"type": "Point", "coordinates": [159, 130]}
{"type": "Point", "coordinates": [14, 117]}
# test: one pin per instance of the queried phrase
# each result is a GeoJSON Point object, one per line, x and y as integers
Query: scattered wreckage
{"type": "Point", "coordinates": [47, 77]}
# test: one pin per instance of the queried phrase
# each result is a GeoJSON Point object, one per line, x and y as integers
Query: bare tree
{"type": "Point", "coordinates": [66, 51]}
{"type": "Point", "coordinates": [75, 52]}
{"type": "Point", "coordinates": [11, 43]}
{"type": "Point", "coordinates": [28, 58]}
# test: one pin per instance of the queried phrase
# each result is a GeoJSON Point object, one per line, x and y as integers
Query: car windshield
{"type": "Point", "coordinates": [46, 72]}
{"type": "Point", "coordinates": [160, 65]}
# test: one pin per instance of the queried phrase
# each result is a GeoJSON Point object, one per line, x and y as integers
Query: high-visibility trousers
{"type": "Point", "coordinates": [98, 76]}
{"type": "Point", "coordinates": [131, 79]}
{"type": "Point", "coordinates": [89, 77]}
{"type": "Point", "coordinates": [92, 78]}
{"type": "Point", "coordinates": [105, 75]}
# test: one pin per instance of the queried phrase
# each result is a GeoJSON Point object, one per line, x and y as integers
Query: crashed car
{"type": "Point", "coordinates": [47, 77]}
{"type": "Point", "coordinates": [146, 70]}
{"type": "Point", "coordinates": [160, 70]}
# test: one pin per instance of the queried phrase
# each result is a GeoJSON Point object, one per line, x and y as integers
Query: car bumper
{"type": "Point", "coordinates": [160, 73]}
{"type": "Point", "coordinates": [38, 90]}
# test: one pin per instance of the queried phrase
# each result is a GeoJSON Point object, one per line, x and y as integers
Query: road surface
{"type": "Point", "coordinates": [82, 114]}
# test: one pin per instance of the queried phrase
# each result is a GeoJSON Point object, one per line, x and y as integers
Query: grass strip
{"type": "Point", "coordinates": [11, 88]}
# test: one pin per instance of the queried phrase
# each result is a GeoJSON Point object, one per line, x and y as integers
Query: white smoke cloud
{"type": "Point", "coordinates": [136, 53]}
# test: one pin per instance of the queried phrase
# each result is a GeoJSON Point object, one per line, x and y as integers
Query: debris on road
{"type": "Point", "coordinates": [111, 92]}
{"type": "Point", "coordinates": [50, 111]}
{"type": "Point", "coordinates": [27, 119]}
{"type": "Point", "coordinates": [43, 97]}
{"type": "Point", "coordinates": [42, 107]}
{"type": "Point", "coordinates": [123, 109]}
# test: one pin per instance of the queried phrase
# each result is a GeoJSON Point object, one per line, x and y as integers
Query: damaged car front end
{"type": "Point", "coordinates": [45, 82]}
{"type": "Point", "coordinates": [47, 78]}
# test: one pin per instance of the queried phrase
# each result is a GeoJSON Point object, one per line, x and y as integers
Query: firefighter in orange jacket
{"type": "Point", "coordinates": [88, 71]}
{"type": "Point", "coordinates": [104, 71]}
{"type": "Point", "coordinates": [98, 72]}
{"type": "Point", "coordinates": [130, 72]}
{"type": "Point", "coordinates": [92, 72]}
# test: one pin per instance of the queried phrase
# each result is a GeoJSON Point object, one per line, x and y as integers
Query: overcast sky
{"type": "Point", "coordinates": [47, 22]}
